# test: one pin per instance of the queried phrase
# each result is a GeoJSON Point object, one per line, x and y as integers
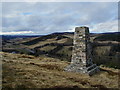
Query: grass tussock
{"type": "Point", "coordinates": [46, 72]}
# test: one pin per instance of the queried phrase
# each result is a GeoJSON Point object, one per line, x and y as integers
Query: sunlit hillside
{"type": "Point", "coordinates": [106, 47]}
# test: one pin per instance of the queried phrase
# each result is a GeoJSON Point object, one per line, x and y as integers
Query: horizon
{"type": "Point", "coordinates": [43, 18]}
{"type": "Point", "coordinates": [55, 33]}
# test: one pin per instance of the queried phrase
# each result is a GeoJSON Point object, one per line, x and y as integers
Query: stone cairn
{"type": "Point", "coordinates": [81, 55]}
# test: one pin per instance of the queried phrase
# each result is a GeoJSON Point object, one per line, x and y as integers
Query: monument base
{"type": "Point", "coordinates": [90, 70]}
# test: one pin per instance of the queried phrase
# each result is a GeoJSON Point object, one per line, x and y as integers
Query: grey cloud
{"type": "Point", "coordinates": [51, 17]}
{"type": "Point", "coordinates": [105, 26]}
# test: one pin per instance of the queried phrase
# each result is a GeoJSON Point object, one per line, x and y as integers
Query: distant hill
{"type": "Point", "coordinates": [8, 37]}
{"type": "Point", "coordinates": [106, 47]}
{"type": "Point", "coordinates": [109, 37]}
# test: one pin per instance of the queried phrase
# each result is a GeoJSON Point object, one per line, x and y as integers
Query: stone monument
{"type": "Point", "coordinates": [81, 55]}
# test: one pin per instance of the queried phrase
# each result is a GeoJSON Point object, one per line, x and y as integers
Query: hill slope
{"type": "Point", "coordinates": [25, 71]}
{"type": "Point", "coordinates": [106, 47]}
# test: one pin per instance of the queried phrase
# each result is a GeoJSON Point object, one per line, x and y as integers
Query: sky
{"type": "Point", "coordinates": [41, 18]}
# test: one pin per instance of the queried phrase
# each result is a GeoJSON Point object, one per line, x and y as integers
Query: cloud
{"type": "Point", "coordinates": [35, 1]}
{"type": "Point", "coordinates": [49, 17]}
{"type": "Point", "coordinates": [16, 33]}
{"type": "Point", "coordinates": [106, 26]}
{"type": "Point", "coordinates": [101, 27]}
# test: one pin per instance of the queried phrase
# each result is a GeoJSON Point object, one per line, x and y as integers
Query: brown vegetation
{"type": "Point", "coordinates": [25, 71]}
{"type": "Point", "coordinates": [106, 47]}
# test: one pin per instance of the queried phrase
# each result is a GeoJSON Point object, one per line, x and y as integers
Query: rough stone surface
{"type": "Point", "coordinates": [81, 55]}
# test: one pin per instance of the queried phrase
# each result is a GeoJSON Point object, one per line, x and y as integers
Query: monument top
{"type": "Point", "coordinates": [82, 29]}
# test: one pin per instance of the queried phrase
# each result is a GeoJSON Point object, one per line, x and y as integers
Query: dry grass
{"type": "Point", "coordinates": [102, 50]}
{"type": "Point", "coordinates": [65, 50]}
{"type": "Point", "coordinates": [53, 40]}
{"type": "Point", "coordinates": [44, 72]}
{"type": "Point", "coordinates": [47, 48]}
{"type": "Point", "coordinates": [69, 35]}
